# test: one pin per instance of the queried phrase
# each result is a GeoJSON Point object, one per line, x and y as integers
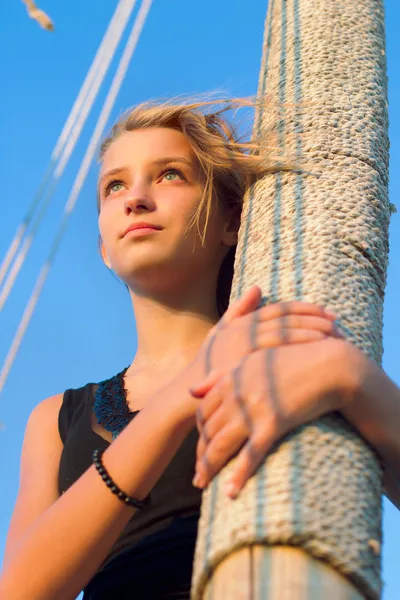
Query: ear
{"type": "Point", "coordinates": [232, 226]}
{"type": "Point", "coordinates": [104, 255]}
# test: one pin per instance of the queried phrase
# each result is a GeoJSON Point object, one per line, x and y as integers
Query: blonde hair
{"type": "Point", "coordinates": [229, 165]}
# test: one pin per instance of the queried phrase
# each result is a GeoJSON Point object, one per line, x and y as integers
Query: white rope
{"type": "Point", "coordinates": [126, 11]}
{"type": "Point", "coordinates": [66, 143]}
{"type": "Point", "coordinates": [102, 51]}
{"type": "Point", "coordinates": [77, 186]}
{"type": "Point", "coordinates": [59, 144]}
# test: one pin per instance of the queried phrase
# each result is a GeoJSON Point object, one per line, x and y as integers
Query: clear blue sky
{"type": "Point", "coordinates": [83, 329]}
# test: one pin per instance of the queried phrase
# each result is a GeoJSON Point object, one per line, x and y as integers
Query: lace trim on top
{"type": "Point", "coordinates": [110, 406]}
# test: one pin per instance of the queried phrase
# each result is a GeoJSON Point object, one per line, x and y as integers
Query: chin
{"type": "Point", "coordinates": [148, 276]}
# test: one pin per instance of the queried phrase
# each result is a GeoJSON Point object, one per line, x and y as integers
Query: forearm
{"type": "Point", "coordinates": [374, 410]}
{"type": "Point", "coordinates": [80, 528]}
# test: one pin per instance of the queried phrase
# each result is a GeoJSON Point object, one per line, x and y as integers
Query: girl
{"type": "Point", "coordinates": [125, 526]}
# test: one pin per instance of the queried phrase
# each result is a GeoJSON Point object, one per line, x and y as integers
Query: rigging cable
{"type": "Point", "coordinates": [79, 180]}
{"type": "Point", "coordinates": [65, 146]}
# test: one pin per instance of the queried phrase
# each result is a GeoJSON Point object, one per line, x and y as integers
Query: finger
{"type": "Point", "coordinates": [249, 459]}
{"type": "Point", "coordinates": [300, 322]}
{"type": "Point", "coordinates": [244, 305]}
{"type": "Point", "coordinates": [281, 337]}
{"type": "Point", "coordinates": [220, 450]}
{"type": "Point", "coordinates": [209, 406]}
{"type": "Point", "coordinates": [201, 448]}
{"type": "Point", "coordinates": [283, 309]}
{"type": "Point", "coordinates": [203, 387]}
{"type": "Point", "coordinates": [203, 416]}
{"type": "Point", "coordinates": [209, 428]}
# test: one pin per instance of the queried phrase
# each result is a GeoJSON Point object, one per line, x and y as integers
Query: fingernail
{"type": "Point", "coordinates": [198, 481]}
{"type": "Point", "coordinates": [331, 314]}
{"type": "Point", "coordinates": [231, 490]}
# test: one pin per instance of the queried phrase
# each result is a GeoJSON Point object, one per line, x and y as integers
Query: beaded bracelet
{"type": "Point", "coordinates": [97, 454]}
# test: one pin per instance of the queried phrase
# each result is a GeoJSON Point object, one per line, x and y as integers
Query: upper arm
{"type": "Point", "coordinates": [39, 464]}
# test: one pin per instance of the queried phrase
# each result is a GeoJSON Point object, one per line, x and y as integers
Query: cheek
{"type": "Point", "coordinates": [105, 230]}
{"type": "Point", "coordinates": [101, 226]}
{"type": "Point", "coordinates": [105, 221]}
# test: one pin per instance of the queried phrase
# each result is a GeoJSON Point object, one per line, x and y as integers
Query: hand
{"type": "Point", "coordinates": [270, 393]}
{"type": "Point", "coordinates": [244, 328]}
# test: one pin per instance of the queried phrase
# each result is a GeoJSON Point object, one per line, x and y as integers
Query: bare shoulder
{"type": "Point", "coordinates": [46, 408]}
{"type": "Point", "coordinates": [42, 439]}
{"type": "Point", "coordinates": [45, 411]}
{"type": "Point", "coordinates": [39, 464]}
{"type": "Point", "coordinates": [42, 445]}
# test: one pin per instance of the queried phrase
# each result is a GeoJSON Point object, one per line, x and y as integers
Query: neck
{"type": "Point", "coordinates": [171, 326]}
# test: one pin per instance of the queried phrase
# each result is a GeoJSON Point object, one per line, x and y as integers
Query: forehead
{"type": "Point", "coordinates": [146, 145]}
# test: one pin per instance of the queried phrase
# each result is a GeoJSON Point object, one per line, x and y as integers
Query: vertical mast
{"type": "Point", "coordinates": [308, 524]}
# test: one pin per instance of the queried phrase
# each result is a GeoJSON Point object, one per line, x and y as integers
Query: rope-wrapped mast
{"type": "Point", "coordinates": [322, 239]}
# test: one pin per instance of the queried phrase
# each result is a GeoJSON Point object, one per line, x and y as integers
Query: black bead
{"type": "Point", "coordinates": [128, 501]}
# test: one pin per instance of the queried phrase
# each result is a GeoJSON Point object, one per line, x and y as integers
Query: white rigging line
{"type": "Point", "coordinates": [77, 186]}
{"type": "Point", "coordinates": [65, 145]}
{"type": "Point", "coordinates": [60, 142]}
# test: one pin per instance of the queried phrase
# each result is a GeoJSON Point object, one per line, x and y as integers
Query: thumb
{"type": "Point", "coordinates": [202, 388]}
{"type": "Point", "coordinates": [243, 305]}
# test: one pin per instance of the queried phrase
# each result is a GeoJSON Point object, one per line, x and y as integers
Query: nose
{"type": "Point", "coordinates": [137, 200]}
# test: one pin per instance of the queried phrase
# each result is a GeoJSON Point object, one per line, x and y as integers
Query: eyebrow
{"type": "Point", "coordinates": [160, 161]}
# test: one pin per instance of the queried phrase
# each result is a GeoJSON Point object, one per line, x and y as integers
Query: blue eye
{"type": "Point", "coordinates": [113, 186]}
{"type": "Point", "coordinates": [168, 175]}
{"type": "Point", "coordinates": [169, 172]}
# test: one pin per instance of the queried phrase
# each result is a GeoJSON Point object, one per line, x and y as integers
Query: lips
{"type": "Point", "coordinates": [141, 225]}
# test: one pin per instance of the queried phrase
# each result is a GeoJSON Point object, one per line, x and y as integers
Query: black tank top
{"type": "Point", "coordinates": [152, 558]}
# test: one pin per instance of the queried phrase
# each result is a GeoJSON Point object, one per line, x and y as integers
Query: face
{"type": "Point", "coordinates": [152, 175]}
